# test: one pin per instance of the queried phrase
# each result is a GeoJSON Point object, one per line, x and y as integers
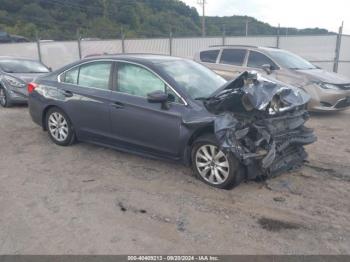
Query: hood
{"type": "Point", "coordinates": [320, 75]}
{"type": "Point", "coordinates": [27, 78]}
{"type": "Point", "coordinates": [250, 91]}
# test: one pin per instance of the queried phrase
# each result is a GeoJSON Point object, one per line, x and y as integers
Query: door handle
{"type": "Point", "coordinates": [117, 105]}
{"type": "Point", "coordinates": [67, 93]}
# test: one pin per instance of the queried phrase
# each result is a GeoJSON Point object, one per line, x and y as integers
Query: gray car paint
{"type": "Point", "coordinates": [122, 121]}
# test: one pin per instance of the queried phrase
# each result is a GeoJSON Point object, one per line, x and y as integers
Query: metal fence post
{"type": "Point", "coordinates": [38, 46]}
{"type": "Point", "coordinates": [79, 43]}
{"type": "Point", "coordinates": [223, 34]}
{"type": "Point", "coordinates": [337, 49]}
{"type": "Point", "coordinates": [123, 40]}
{"type": "Point", "coordinates": [278, 36]}
{"type": "Point", "coordinates": [171, 43]}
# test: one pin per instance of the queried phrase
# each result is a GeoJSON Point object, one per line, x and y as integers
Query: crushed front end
{"type": "Point", "coordinates": [261, 121]}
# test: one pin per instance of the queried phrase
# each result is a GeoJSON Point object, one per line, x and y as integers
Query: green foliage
{"type": "Point", "coordinates": [60, 19]}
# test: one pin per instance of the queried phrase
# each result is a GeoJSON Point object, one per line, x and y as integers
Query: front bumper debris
{"type": "Point", "coordinates": [261, 123]}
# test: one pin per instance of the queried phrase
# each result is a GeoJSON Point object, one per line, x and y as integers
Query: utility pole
{"type": "Point", "coordinates": [203, 3]}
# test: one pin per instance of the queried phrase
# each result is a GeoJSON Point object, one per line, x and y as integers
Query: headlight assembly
{"type": "Point", "coordinates": [328, 86]}
{"type": "Point", "coordinates": [14, 82]}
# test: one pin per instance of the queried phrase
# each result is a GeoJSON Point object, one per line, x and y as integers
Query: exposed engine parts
{"type": "Point", "coordinates": [262, 123]}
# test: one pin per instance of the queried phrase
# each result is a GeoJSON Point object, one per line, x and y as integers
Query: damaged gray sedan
{"type": "Point", "coordinates": [177, 109]}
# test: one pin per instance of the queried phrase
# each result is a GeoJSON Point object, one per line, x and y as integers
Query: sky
{"type": "Point", "coordinates": [289, 13]}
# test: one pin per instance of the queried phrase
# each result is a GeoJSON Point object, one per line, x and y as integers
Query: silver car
{"type": "Point", "coordinates": [328, 91]}
{"type": "Point", "coordinates": [15, 74]}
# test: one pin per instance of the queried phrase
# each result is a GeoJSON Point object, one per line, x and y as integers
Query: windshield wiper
{"type": "Point", "coordinates": [297, 68]}
{"type": "Point", "coordinates": [201, 98]}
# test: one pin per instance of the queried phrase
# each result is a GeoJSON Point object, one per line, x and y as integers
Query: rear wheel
{"type": "Point", "coordinates": [59, 127]}
{"type": "Point", "coordinates": [5, 100]}
{"type": "Point", "coordinates": [213, 166]}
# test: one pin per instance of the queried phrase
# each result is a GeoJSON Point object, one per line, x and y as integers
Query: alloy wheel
{"type": "Point", "coordinates": [58, 126]}
{"type": "Point", "coordinates": [212, 164]}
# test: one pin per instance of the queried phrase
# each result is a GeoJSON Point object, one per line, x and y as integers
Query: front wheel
{"type": "Point", "coordinates": [59, 127]}
{"type": "Point", "coordinates": [213, 166]}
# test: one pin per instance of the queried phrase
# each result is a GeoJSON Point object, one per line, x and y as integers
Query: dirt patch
{"type": "Point", "coordinates": [329, 171]}
{"type": "Point", "coordinates": [122, 207]}
{"type": "Point", "coordinates": [275, 225]}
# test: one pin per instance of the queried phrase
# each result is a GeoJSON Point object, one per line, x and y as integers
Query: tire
{"type": "Point", "coordinates": [224, 172]}
{"type": "Point", "coordinates": [59, 127]}
{"type": "Point", "coordinates": [5, 100]}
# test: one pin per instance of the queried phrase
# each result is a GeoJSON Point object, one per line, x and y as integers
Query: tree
{"type": "Point", "coordinates": [60, 19]}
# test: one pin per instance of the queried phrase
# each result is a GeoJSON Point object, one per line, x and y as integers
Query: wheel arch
{"type": "Point", "coordinates": [46, 109]}
{"type": "Point", "coordinates": [208, 129]}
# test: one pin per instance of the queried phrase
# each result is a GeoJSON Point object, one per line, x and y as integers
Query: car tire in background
{"type": "Point", "coordinates": [59, 127]}
{"type": "Point", "coordinates": [214, 167]}
{"type": "Point", "coordinates": [5, 100]}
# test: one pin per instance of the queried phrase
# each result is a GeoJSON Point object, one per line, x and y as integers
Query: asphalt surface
{"type": "Point", "coordinates": [86, 199]}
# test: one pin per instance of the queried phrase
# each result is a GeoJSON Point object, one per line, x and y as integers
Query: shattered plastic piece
{"type": "Point", "coordinates": [261, 121]}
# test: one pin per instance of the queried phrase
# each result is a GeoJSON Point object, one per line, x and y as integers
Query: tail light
{"type": "Point", "coordinates": [31, 87]}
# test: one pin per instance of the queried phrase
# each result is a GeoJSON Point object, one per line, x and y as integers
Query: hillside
{"type": "Point", "coordinates": [60, 19]}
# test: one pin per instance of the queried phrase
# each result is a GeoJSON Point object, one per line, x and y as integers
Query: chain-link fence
{"type": "Point", "coordinates": [331, 52]}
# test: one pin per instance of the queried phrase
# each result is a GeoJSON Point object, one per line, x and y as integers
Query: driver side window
{"type": "Point", "coordinates": [138, 81]}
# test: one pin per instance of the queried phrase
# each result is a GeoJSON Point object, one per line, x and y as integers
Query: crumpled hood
{"type": "Point", "coordinates": [27, 78]}
{"type": "Point", "coordinates": [251, 91]}
{"type": "Point", "coordinates": [261, 122]}
{"type": "Point", "coordinates": [320, 75]}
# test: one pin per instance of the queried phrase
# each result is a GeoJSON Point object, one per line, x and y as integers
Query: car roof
{"type": "Point", "coordinates": [137, 58]}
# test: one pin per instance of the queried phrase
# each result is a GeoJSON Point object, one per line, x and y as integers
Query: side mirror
{"type": "Point", "coordinates": [267, 68]}
{"type": "Point", "coordinates": [158, 97]}
{"type": "Point", "coordinates": [50, 69]}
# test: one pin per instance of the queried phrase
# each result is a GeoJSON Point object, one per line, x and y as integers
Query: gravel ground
{"type": "Point", "coordinates": [86, 199]}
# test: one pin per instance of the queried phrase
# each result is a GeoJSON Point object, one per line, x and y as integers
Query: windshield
{"type": "Point", "coordinates": [290, 60]}
{"type": "Point", "coordinates": [198, 81]}
{"type": "Point", "coordinates": [22, 66]}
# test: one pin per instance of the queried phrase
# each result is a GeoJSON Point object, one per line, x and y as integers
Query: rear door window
{"type": "Point", "coordinates": [71, 76]}
{"type": "Point", "coordinates": [95, 75]}
{"type": "Point", "coordinates": [209, 56]}
{"type": "Point", "coordinates": [233, 56]}
{"type": "Point", "coordinates": [257, 60]}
